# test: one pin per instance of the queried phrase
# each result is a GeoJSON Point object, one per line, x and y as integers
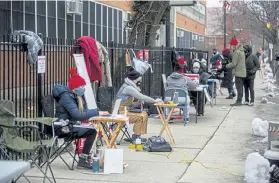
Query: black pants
{"type": "Point", "coordinates": [239, 87]}
{"type": "Point", "coordinates": [78, 133]}
{"type": "Point", "coordinates": [249, 87]}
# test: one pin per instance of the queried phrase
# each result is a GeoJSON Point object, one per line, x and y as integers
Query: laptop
{"type": "Point", "coordinates": [115, 108]}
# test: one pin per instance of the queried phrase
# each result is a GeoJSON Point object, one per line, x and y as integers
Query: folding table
{"type": "Point", "coordinates": [164, 120]}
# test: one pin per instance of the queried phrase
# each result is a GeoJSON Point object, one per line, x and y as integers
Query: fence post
{"type": "Point", "coordinates": [112, 69]}
{"type": "Point", "coordinates": [163, 62]}
{"type": "Point", "coordinates": [39, 88]}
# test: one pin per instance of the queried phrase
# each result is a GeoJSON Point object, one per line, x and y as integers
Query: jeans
{"type": "Point", "coordinates": [249, 86]}
{"type": "Point", "coordinates": [239, 81]}
{"type": "Point", "coordinates": [230, 91]}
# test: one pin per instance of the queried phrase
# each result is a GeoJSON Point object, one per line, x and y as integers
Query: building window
{"type": "Point", "coordinates": [212, 41]}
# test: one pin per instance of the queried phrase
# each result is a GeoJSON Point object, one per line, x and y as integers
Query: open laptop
{"type": "Point", "coordinates": [115, 108]}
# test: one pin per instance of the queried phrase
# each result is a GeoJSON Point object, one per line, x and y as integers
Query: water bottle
{"type": "Point", "coordinates": [175, 98]}
{"type": "Point", "coordinates": [96, 164]}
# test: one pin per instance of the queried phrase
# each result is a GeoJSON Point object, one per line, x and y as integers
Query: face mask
{"type": "Point", "coordinates": [214, 53]}
{"type": "Point", "coordinates": [80, 91]}
{"type": "Point", "coordinates": [138, 83]}
{"type": "Point", "coordinates": [196, 70]}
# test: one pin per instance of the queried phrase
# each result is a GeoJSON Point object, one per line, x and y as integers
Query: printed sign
{"type": "Point", "coordinates": [41, 64]}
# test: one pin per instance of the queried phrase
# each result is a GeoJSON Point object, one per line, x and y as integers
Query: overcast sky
{"type": "Point", "coordinates": [214, 3]}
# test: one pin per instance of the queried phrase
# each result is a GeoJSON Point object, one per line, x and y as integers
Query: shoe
{"type": "Point", "coordinates": [229, 97]}
{"type": "Point", "coordinates": [236, 104]}
{"type": "Point", "coordinates": [246, 103]}
{"type": "Point", "coordinates": [251, 104]}
{"type": "Point", "coordinates": [84, 163]}
{"type": "Point", "coordinates": [233, 95]}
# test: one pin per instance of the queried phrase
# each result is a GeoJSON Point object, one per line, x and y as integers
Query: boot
{"type": "Point", "coordinates": [236, 104]}
{"type": "Point", "coordinates": [84, 161]}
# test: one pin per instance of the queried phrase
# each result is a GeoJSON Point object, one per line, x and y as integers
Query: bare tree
{"type": "Point", "coordinates": [146, 21]}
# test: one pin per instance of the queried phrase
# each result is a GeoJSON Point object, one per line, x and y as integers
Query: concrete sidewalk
{"type": "Point", "coordinates": [220, 139]}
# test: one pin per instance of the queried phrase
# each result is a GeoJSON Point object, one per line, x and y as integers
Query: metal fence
{"type": "Point", "coordinates": [21, 83]}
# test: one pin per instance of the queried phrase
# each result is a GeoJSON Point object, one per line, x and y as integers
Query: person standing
{"type": "Point", "coordinates": [238, 69]}
{"type": "Point", "coordinates": [252, 65]}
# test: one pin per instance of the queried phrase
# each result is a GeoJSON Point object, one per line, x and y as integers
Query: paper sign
{"type": "Point", "coordinates": [41, 64]}
{"type": "Point", "coordinates": [113, 161]}
{"type": "Point", "coordinates": [82, 71]}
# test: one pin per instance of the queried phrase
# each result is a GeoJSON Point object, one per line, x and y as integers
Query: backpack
{"type": "Point", "coordinates": [157, 144]}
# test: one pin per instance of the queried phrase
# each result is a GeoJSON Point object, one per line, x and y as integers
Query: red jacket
{"type": "Point", "coordinates": [90, 51]}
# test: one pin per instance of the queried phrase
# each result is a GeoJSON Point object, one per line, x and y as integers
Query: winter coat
{"type": "Point", "coordinates": [252, 65]}
{"type": "Point", "coordinates": [67, 107]}
{"type": "Point", "coordinates": [178, 80]}
{"type": "Point", "coordinates": [238, 62]}
{"type": "Point", "coordinates": [105, 65]}
{"type": "Point", "coordinates": [227, 81]}
{"type": "Point", "coordinates": [33, 41]}
{"type": "Point", "coordinates": [91, 56]}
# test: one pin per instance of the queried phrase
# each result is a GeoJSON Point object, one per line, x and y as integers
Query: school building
{"type": "Point", "coordinates": [103, 20]}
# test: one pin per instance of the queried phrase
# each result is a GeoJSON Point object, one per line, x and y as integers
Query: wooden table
{"type": "Point", "coordinates": [110, 138]}
{"type": "Point", "coordinates": [164, 120]}
{"type": "Point", "coordinates": [120, 120]}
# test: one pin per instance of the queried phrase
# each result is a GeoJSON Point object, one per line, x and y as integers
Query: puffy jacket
{"type": "Point", "coordinates": [177, 80]}
{"type": "Point", "coordinates": [252, 63]}
{"type": "Point", "coordinates": [67, 107]}
{"type": "Point", "coordinates": [238, 62]}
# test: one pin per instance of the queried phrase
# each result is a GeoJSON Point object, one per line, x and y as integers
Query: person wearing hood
{"type": "Point", "coordinates": [227, 80]}
{"type": "Point", "coordinates": [177, 80]}
{"type": "Point", "coordinates": [238, 69]}
{"type": "Point", "coordinates": [252, 65]}
{"type": "Point", "coordinates": [71, 106]}
{"type": "Point", "coordinates": [197, 69]}
{"type": "Point", "coordinates": [130, 91]}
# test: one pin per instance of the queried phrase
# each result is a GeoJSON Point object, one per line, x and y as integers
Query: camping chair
{"type": "Point", "coordinates": [48, 104]}
{"type": "Point", "coordinates": [14, 137]}
{"type": "Point", "coordinates": [182, 100]}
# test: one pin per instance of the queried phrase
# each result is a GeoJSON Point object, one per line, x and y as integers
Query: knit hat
{"type": "Point", "coordinates": [133, 74]}
{"type": "Point", "coordinates": [196, 64]}
{"type": "Point", "coordinates": [181, 61]}
{"type": "Point", "coordinates": [226, 51]}
{"type": "Point", "coordinates": [234, 42]}
{"type": "Point", "coordinates": [75, 80]}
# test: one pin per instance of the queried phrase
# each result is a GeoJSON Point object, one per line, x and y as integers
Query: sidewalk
{"type": "Point", "coordinates": [222, 139]}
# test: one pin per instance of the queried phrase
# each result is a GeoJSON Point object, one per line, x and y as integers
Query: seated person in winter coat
{"type": "Point", "coordinates": [71, 106]}
{"type": "Point", "coordinates": [203, 80]}
{"type": "Point", "coordinates": [252, 66]}
{"type": "Point", "coordinates": [130, 91]}
{"type": "Point", "coordinates": [227, 80]}
{"type": "Point", "coordinates": [177, 80]}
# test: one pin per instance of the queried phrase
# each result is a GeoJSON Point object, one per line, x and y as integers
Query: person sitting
{"type": "Point", "coordinates": [227, 80]}
{"type": "Point", "coordinates": [128, 92]}
{"type": "Point", "coordinates": [177, 80]}
{"type": "Point", "coordinates": [203, 81]}
{"type": "Point", "coordinates": [71, 106]}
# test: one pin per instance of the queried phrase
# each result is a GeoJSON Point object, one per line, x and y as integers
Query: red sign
{"type": "Point", "coordinates": [140, 55]}
{"type": "Point", "coordinates": [193, 76]}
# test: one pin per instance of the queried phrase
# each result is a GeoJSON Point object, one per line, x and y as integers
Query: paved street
{"type": "Point", "coordinates": [221, 139]}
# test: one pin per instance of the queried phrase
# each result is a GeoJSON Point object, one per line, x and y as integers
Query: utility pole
{"type": "Point", "coordinates": [225, 24]}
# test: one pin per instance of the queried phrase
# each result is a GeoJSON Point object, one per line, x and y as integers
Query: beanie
{"type": "Point", "coordinates": [226, 51]}
{"type": "Point", "coordinates": [234, 42]}
{"type": "Point", "coordinates": [75, 80]}
{"type": "Point", "coordinates": [133, 74]}
{"type": "Point", "coordinates": [181, 61]}
{"type": "Point", "coordinates": [196, 64]}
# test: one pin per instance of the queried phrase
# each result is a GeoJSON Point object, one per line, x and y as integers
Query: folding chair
{"type": "Point", "coordinates": [48, 104]}
{"type": "Point", "coordinates": [14, 138]}
{"type": "Point", "coordinates": [182, 100]}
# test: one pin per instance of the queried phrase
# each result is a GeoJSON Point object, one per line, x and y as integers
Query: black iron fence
{"type": "Point", "coordinates": [21, 83]}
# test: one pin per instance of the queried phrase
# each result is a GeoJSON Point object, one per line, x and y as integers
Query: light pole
{"type": "Point", "coordinates": [225, 24]}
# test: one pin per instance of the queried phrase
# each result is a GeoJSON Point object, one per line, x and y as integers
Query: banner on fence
{"type": "Point", "coordinates": [81, 69]}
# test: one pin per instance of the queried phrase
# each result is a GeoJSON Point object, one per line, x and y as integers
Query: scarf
{"type": "Point", "coordinates": [131, 83]}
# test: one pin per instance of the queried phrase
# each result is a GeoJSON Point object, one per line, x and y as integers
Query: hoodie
{"type": "Point", "coordinates": [177, 80]}
{"type": "Point", "coordinates": [238, 62]}
{"type": "Point", "coordinates": [252, 63]}
{"type": "Point", "coordinates": [67, 107]}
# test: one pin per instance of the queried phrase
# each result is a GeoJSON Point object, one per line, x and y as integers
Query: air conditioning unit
{"type": "Point", "coordinates": [194, 37]}
{"type": "Point", "coordinates": [180, 33]}
{"type": "Point", "coordinates": [74, 7]}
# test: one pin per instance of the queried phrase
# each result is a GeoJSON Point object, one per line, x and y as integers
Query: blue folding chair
{"type": "Point", "coordinates": [182, 100]}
